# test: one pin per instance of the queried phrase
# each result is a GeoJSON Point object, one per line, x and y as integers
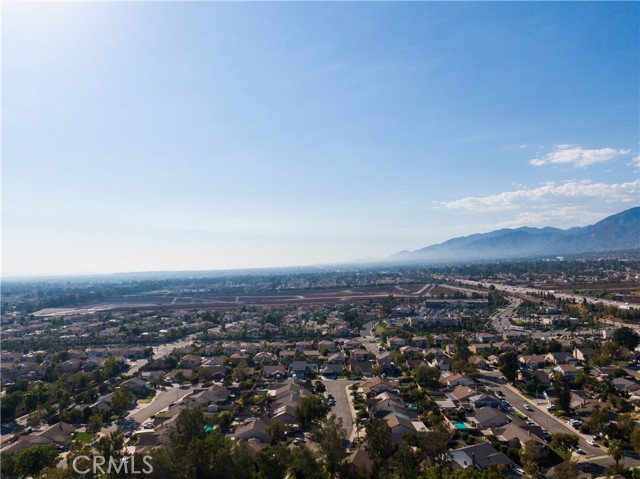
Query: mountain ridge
{"type": "Point", "coordinates": [616, 232]}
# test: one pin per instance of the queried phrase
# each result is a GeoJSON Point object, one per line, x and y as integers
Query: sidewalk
{"type": "Point", "coordinates": [354, 429]}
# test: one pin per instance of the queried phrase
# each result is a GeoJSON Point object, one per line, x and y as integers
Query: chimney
{"type": "Point", "coordinates": [473, 459]}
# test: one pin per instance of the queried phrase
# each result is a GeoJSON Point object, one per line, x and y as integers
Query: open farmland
{"type": "Point", "coordinates": [165, 301]}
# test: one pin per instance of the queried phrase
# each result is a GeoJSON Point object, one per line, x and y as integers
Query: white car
{"type": "Point", "coordinates": [527, 407]}
{"type": "Point", "coordinates": [593, 443]}
{"type": "Point", "coordinates": [519, 471]}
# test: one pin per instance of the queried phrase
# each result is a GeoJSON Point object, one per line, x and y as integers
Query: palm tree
{"type": "Point", "coordinates": [615, 451]}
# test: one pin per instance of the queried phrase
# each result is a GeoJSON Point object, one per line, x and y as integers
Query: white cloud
{"type": "Point", "coordinates": [578, 156]}
{"type": "Point", "coordinates": [548, 195]}
{"type": "Point", "coordinates": [635, 162]}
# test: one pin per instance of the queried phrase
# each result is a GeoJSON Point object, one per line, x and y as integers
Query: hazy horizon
{"type": "Point", "coordinates": [213, 136]}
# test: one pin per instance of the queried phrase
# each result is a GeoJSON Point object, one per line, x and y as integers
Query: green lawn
{"type": "Point", "coordinates": [84, 437]}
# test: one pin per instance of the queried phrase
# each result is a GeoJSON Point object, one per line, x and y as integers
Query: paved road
{"type": "Point", "coordinates": [523, 290]}
{"type": "Point", "coordinates": [162, 400]}
{"type": "Point", "coordinates": [544, 419]}
{"type": "Point", "coordinates": [164, 349]}
{"type": "Point", "coordinates": [342, 409]}
{"type": "Point", "coordinates": [501, 319]}
{"type": "Point", "coordinates": [426, 289]}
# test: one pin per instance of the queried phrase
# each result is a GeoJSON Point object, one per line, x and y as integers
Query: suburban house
{"type": "Point", "coordinates": [59, 434]}
{"type": "Point", "coordinates": [566, 370]}
{"type": "Point", "coordinates": [561, 358]}
{"type": "Point", "coordinates": [190, 361]}
{"type": "Point", "coordinates": [584, 354]}
{"type": "Point", "coordinates": [483, 400]}
{"type": "Point", "coordinates": [454, 380]}
{"type": "Point", "coordinates": [301, 369]}
{"type": "Point", "coordinates": [252, 429]}
{"type": "Point", "coordinates": [276, 373]}
{"type": "Point", "coordinates": [399, 424]}
{"type": "Point", "coordinates": [136, 386]}
{"type": "Point", "coordinates": [395, 342]}
{"type": "Point", "coordinates": [488, 417]}
{"type": "Point", "coordinates": [285, 413]}
{"type": "Point", "coordinates": [516, 437]}
{"type": "Point", "coordinates": [533, 361]}
{"type": "Point", "coordinates": [480, 456]}
{"type": "Point", "coordinates": [332, 371]}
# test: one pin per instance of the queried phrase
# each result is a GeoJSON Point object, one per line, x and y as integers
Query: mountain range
{"type": "Point", "coordinates": [617, 232]}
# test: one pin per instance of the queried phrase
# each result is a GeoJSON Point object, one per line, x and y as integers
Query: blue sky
{"type": "Point", "coordinates": [203, 135]}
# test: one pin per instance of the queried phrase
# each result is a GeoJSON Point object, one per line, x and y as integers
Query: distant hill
{"type": "Point", "coordinates": [616, 232]}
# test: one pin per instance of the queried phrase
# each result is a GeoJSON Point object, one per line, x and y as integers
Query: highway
{"type": "Point", "coordinates": [523, 290]}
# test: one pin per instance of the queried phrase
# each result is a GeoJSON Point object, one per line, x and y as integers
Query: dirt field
{"type": "Point", "coordinates": [624, 291]}
{"type": "Point", "coordinates": [226, 301]}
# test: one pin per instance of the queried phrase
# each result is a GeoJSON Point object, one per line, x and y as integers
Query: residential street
{"type": "Point", "coordinates": [162, 400]}
{"type": "Point", "coordinates": [339, 388]}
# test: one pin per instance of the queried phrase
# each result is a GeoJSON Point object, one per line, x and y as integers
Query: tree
{"type": "Point", "coordinates": [406, 462]}
{"type": "Point", "coordinates": [626, 337]}
{"type": "Point", "coordinates": [566, 470]}
{"type": "Point", "coordinates": [331, 439]}
{"type": "Point", "coordinates": [529, 462]}
{"type": "Point", "coordinates": [598, 419]}
{"type": "Point", "coordinates": [273, 462]}
{"type": "Point", "coordinates": [189, 426]}
{"type": "Point", "coordinates": [310, 410]}
{"type": "Point", "coordinates": [111, 367]}
{"type": "Point", "coordinates": [379, 444]}
{"type": "Point", "coordinates": [427, 377]}
{"type": "Point", "coordinates": [33, 460]}
{"type": "Point", "coordinates": [461, 355]}
{"type": "Point", "coordinates": [276, 431]}
{"type": "Point", "coordinates": [111, 446]}
{"type": "Point", "coordinates": [563, 441]}
{"type": "Point", "coordinates": [431, 446]}
{"type": "Point", "coordinates": [461, 348]}
{"type": "Point", "coordinates": [241, 371]}
{"type": "Point", "coordinates": [95, 423]}
{"type": "Point", "coordinates": [203, 373]}
{"type": "Point", "coordinates": [37, 417]}
{"type": "Point", "coordinates": [509, 365]}
{"type": "Point", "coordinates": [616, 451]}
{"type": "Point", "coordinates": [634, 439]}
{"type": "Point", "coordinates": [121, 401]}
{"type": "Point", "coordinates": [609, 352]}
{"type": "Point", "coordinates": [563, 394]}
{"type": "Point", "coordinates": [304, 464]}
